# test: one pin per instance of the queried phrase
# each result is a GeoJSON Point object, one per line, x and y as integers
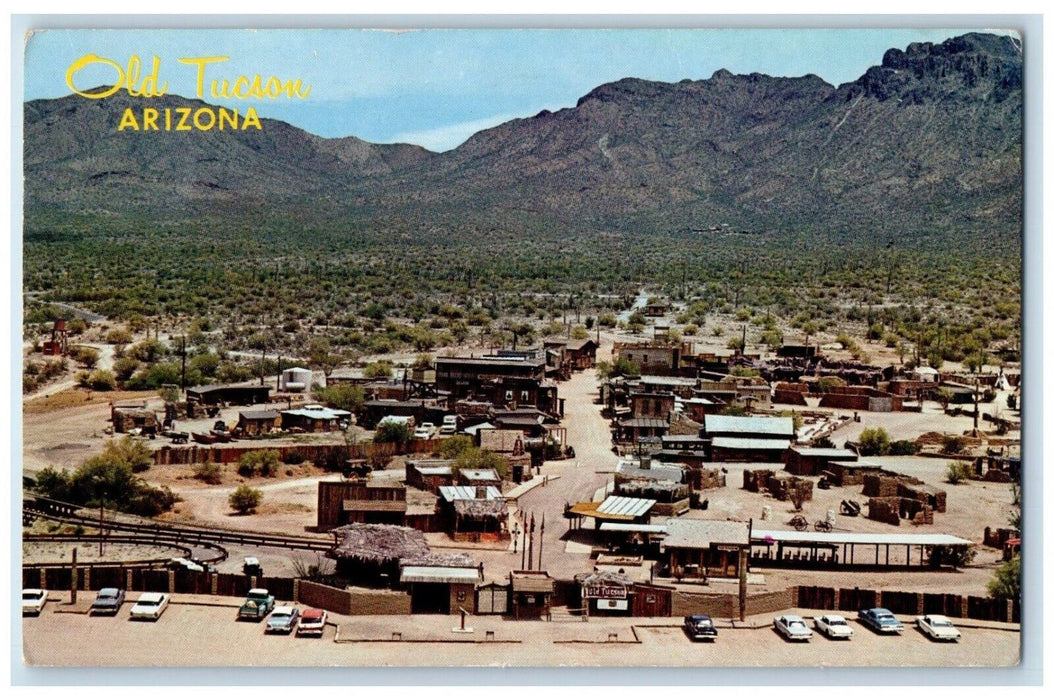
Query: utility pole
{"type": "Point", "coordinates": [541, 541]}
{"type": "Point", "coordinates": [530, 554]}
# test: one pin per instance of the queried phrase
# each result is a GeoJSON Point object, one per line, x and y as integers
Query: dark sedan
{"type": "Point", "coordinates": [108, 601]}
{"type": "Point", "coordinates": [700, 627]}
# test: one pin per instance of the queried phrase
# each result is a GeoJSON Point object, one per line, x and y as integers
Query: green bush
{"type": "Point", "coordinates": [903, 447]}
{"type": "Point", "coordinates": [102, 380]}
{"type": "Point", "coordinates": [958, 472]}
{"type": "Point", "coordinates": [209, 472]}
{"type": "Point", "coordinates": [261, 463]}
{"type": "Point", "coordinates": [399, 433]}
{"type": "Point", "coordinates": [245, 499]}
{"type": "Point", "coordinates": [453, 447]}
{"type": "Point", "coordinates": [294, 457]}
{"type": "Point", "coordinates": [953, 444]}
{"type": "Point", "coordinates": [1006, 583]}
{"type": "Point", "coordinates": [475, 458]}
{"type": "Point", "coordinates": [874, 441]}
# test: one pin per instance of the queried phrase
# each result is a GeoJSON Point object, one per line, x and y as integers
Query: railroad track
{"type": "Point", "coordinates": [152, 531]}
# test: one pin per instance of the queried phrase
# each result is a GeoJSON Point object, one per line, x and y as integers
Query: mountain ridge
{"type": "Point", "coordinates": [927, 141]}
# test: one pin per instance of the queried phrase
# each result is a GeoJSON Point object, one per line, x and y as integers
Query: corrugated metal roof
{"type": "Point", "coordinates": [319, 413]}
{"type": "Point", "coordinates": [855, 538]}
{"type": "Point", "coordinates": [625, 506]}
{"type": "Point", "coordinates": [435, 471]}
{"type": "Point", "coordinates": [258, 415]}
{"type": "Point", "coordinates": [823, 451]}
{"type": "Point", "coordinates": [631, 527]}
{"type": "Point", "coordinates": [466, 493]}
{"type": "Point", "coordinates": [700, 534]}
{"type": "Point", "coordinates": [644, 423]}
{"type": "Point", "coordinates": [438, 574]}
{"type": "Point", "coordinates": [775, 425]}
{"type": "Point", "coordinates": [731, 443]}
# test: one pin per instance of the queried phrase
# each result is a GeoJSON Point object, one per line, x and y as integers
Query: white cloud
{"type": "Point", "coordinates": [444, 138]}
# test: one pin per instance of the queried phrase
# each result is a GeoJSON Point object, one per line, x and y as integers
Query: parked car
{"type": "Point", "coordinates": [700, 627]}
{"type": "Point", "coordinates": [150, 606]}
{"type": "Point", "coordinates": [258, 602]}
{"type": "Point", "coordinates": [449, 426]}
{"type": "Point", "coordinates": [881, 621]}
{"type": "Point", "coordinates": [283, 620]}
{"type": "Point", "coordinates": [793, 628]}
{"type": "Point", "coordinates": [312, 622]}
{"type": "Point", "coordinates": [834, 627]}
{"type": "Point", "coordinates": [33, 600]}
{"type": "Point", "coordinates": [251, 567]}
{"type": "Point", "coordinates": [938, 628]}
{"type": "Point", "coordinates": [108, 601]}
{"type": "Point", "coordinates": [425, 431]}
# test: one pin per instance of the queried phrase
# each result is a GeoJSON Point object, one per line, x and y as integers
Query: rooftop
{"type": "Point", "coordinates": [701, 534]}
{"type": "Point", "coordinates": [774, 425]}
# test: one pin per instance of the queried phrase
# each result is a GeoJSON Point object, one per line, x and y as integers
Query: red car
{"type": "Point", "coordinates": [312, 621]}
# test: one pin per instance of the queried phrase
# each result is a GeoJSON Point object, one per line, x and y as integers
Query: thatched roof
{"type": "Point", "coordinates": [381, 544]}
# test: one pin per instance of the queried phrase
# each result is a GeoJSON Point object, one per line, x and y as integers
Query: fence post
{"type": "Point", "coordinates": [43, 578]}
{"type": "Point", "coordinates": [128, 579]}
{"type": "Point", "coordinates": [964, 607]}
{"type": "Point", "coordinates": [214, 583]}
{"type": "Point", "coordinates": [1009, 609]}
{"type": "Point", "coordinates": [296, 590]}
{"type": "Point", "coordinates": [837, 602]}
{"type": "Point", "coordinates": [171, 581]}
{"type": "Point", "coordinates": [87, 578]}
{"type": "Point", "coordinates": [920, 606]}
{"type": "Point", "coordinates": [878, 599]}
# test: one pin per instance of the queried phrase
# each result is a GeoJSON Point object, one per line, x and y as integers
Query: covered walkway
{"type": "Point", "coordinates": [837, 549]}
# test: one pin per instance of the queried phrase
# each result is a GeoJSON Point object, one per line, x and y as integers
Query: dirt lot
{"type": "Point", "coordinates": [202, 631]}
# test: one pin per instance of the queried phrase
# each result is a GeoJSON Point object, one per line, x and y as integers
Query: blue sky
{"type": "Point", "coordinates": [436, 87]}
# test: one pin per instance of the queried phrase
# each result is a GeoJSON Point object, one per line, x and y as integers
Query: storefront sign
{"type": "Point", "coordinates": [601, 591]}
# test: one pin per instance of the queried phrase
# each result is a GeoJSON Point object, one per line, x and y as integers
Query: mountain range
{"type": "Point", "coordinates": [928, 142]}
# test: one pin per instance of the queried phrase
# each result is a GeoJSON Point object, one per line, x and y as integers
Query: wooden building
{"type": "Point", "coordinates": [257, 422]}
{"type": "Point", "coordinates": [814, 461]}
{"type": "Point", "coordinates": [703, 548]}
{"type": "Point", "coordinates": [315, 419]}
{"type": "Point", "coordinates": [531, 594]}
{"type": "Point", "coordinates": [223, 394]}
{"type": "Point", "coordinates": [358, 501]}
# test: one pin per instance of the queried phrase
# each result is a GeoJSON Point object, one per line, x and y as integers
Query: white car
{"type": "Point", "coordinates": [938, 628]}
{"type": "Point", "coordinates": [793, 627]}
{"type": "Point", "coordinates": [283, 619]}
{"type": "Point", "coordinates": [150, 606]}
{"type": "Point", "coordinates": [33, 600]}
{"type": "Point", "coordinates": [425, 431]}
{"type": "Point", "coordinates": [834, 627]}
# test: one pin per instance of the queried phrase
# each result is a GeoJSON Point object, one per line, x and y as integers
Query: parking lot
{"type": "Point", "coordinates": [203, 631]}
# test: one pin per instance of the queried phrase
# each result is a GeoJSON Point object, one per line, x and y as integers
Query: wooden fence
{"type": "Point", "coordinates": [317, 454]}
{"type": "Point", "coordinates": [909, 603]}
{"type": "Point", "coordinates": [388, 602]}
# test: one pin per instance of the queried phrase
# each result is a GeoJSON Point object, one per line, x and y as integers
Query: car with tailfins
{"type": "Point", "coordinates": [283, 619]}
{"type": "Point", "coordinates": [150, 606]}
{"type": "Point", "coordinates": [793, 628]}
{"type": "Point", "coordinates": [938, 628]}
{"type": "Point", "coordinates": [834, 626]}
{"type": "Point", "coordinates": [881, 620]}
{"type": "Point", "coordinates": [312, 622]}
{"type": "Point", "coordinates": [33, 600]}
